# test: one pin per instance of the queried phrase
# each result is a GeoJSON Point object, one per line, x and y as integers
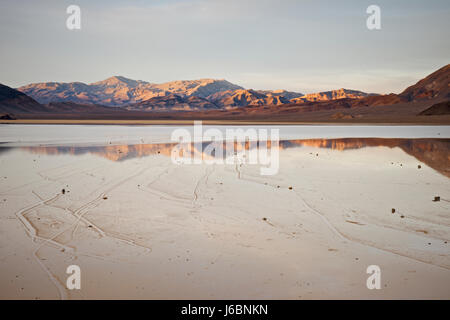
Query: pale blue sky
{"type": "Point", "coordinates": [300, 45]}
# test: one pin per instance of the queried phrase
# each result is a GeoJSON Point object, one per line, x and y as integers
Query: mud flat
{"type": "Point", "coordinates": [142, 227]}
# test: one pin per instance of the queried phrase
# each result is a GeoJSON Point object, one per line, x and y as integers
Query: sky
{"type": "Point", "coordinates": [298, 45]}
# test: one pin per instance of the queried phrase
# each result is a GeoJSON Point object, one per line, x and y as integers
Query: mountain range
{"type": "Point", "coordinates": [121, 91]}
{"type": "Point", "coordinates": [211, 97]}
{"type": "Point", "coordinates": [202, 94]}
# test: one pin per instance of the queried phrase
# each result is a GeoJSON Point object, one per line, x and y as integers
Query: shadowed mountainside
{"type": "Point", "coordinates": [173, 102]}
{"type": "Point", "coordinates": [333, 95]}
{"type": "Point", "coordinates": [442, 108]}
{"type": "Point", "coordinates": [13, 101]}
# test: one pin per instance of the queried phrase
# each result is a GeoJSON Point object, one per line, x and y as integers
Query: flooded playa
{"type": "Point", "coordinates": [110, 200]}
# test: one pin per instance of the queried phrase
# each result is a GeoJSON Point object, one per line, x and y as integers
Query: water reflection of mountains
{"type": "Point", "coordinates": [433, 152]}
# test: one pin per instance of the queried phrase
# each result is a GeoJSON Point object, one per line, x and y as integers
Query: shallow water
{"type": "Point", "coordinates": [27, 135]}
{"type": "Point", "coordinates": [434, 153]}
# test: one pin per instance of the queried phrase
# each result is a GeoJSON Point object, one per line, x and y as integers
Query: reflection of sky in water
{"type": "Point", "coordinates": [433, 152]}
{"type": "Point", "coordinates": [57, 135]}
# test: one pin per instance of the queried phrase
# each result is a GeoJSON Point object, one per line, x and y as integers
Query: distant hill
{"type": "Point", "coordinates": [333, 95]}
{"type": "Point", "coordinates": [434, 86]}
{"type": "Point", "coordinates": [13, 101]}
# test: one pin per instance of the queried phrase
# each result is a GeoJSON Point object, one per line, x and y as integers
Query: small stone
{"type": "Point", "coordinates": [393, 210]}
{"type": "Point", "coordinates": [290, 188]}
{"type": "Point", "coordinates": [419, 166]}
{"type": "Point", "coordinates": [437, 198]}
{"type": "Point", "coordinates": [63, 191]}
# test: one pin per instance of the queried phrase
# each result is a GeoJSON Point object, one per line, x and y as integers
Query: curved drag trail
{"type": "Point", "coordinates": [79, 215]}
{"type": "Point", "coordinates": [345, 238]}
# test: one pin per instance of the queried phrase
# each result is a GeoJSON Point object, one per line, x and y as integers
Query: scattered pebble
{"type": "Point", "coordinates": [393, 210]}
{"type": "Point", "coordinates": [63, 191]}
{"type": "Point", "coordinates": [437, 198]}
{"type": "Point", "coordinates": [402, 216]}
{"type": "Point", "coordinates": [419, 166]}
{"type": "Point", "coordinates": [104, 198]}
{"type": "Point", "coordinates": [264, 219]}
{"type": "Point", "coordinates": [290, 188]}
